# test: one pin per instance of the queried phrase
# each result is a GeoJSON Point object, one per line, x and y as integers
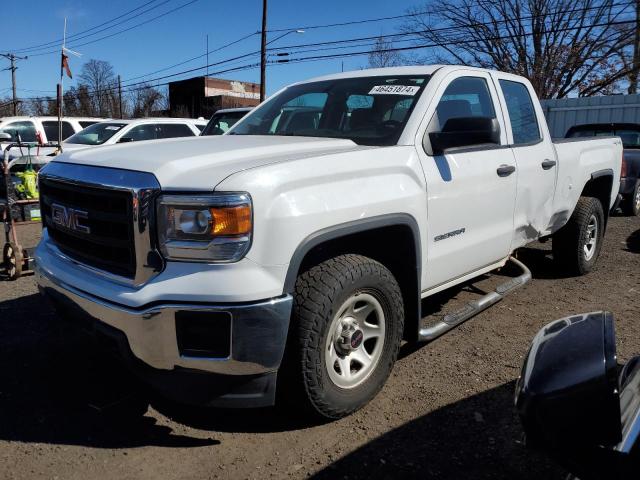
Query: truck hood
{"type": "Point", "coordinates": [201, 163]}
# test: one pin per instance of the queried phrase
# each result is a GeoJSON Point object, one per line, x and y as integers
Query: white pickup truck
{"type": "Point", "coordinates": [293, 252]}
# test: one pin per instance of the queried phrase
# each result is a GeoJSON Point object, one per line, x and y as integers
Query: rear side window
{"type": "Point", "coordinates": [173, 130]}
{"type": "Point", "coordinates": [51, 130]}
{"type": "Point", "coordinates": [522, 115]}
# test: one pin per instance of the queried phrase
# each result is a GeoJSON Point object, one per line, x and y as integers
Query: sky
{"type": "Point", "coordinates": [181, 35]}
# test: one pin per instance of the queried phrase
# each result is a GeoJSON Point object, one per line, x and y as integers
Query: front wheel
{"type": "Point", "coordinates": [577, 245]}
{"type": "Point", "coordinates": [347, 322]}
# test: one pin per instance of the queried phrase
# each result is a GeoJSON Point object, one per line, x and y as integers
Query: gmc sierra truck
{"type": "Point", "coordinates": [292, 254]}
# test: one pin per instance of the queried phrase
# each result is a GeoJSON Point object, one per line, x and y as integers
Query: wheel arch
{"type": "Point", "coordinates": [600, 186]}
{"type": "Point", "coordinates": [370, 237]}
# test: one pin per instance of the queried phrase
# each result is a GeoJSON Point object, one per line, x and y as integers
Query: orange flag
{"type": "Point", "coordinates": [65, 65]}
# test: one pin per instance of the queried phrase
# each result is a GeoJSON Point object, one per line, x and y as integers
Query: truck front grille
{"type": "Point", "coordinates": [103, 235]}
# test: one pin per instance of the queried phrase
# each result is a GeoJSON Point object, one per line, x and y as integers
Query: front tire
{"type": "Point", "coordinates": [577, 245]}
{"type": "Point", "coordinates": [347, 325]}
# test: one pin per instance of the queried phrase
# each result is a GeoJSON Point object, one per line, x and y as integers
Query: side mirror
{"type": "Point", "coordinates": [568, 395]}
{"type": "Point", "coordinates": [568, 390]}
{"type": "Point", "coordinates": [125, 140]}
{"type": "Point", "coordinates": [464, 132]}
{"type": "Point", "coordinates": [5, 137]}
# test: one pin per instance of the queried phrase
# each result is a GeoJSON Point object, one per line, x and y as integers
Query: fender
{"type": "Point", "coordinates": [606, 172]}
{"type": "Point", "coordinates": [349, 228]}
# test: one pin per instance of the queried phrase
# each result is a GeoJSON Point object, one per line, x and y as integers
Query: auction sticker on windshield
{"type": "Point", "coordinates": [394, 90]}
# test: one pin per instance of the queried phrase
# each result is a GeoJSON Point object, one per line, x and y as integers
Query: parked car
{"type": "Point", "coordinates": [575, 402]}
{"type": "Point", "coordinates": [223, 120]}
{"type": "Point", "coordinates": [630, 172]}
{"type": "Point", "coordinates": [29, 128]}
{"type": "Point", "coordinates": [297, 257]}
{"type": "Point", "coordinates": [111, 132]}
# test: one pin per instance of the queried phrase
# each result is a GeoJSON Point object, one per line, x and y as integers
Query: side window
{"type": "Point", "coordinates": [51, 130]}
{"type": "Point", "coordinates": [173, 130]}
{"type": "Point", "coordinates": [141, 132]}
{"type": "Point", "coordinates": [67, 130]}
{"type": "Point", "coordinates": [26, 130]}
{"type": "Point", "coordinates": [464, 97]}
{"type": "Point", "coordinates": [522, 115]}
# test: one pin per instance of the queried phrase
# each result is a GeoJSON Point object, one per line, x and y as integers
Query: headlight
{"type": "Point", "coordinates": [207, 228]}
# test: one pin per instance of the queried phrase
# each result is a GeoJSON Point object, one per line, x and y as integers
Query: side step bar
{"type": "Point", "coordinates": [471, 309]}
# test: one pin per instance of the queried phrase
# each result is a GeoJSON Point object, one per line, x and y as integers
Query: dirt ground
{"type": "Point", "coordinates": [446, 413]}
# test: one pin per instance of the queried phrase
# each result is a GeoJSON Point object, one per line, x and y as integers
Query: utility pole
{"type": "Point", "coordinates": [120, 96]}
{"type": "Point", "coordinates": [263, 51]}
{"type": "Point", "coordinates": [12, 58]}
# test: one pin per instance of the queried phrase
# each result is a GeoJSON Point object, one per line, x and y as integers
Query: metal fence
{"type": "Point", "coordinates": [564, 113]}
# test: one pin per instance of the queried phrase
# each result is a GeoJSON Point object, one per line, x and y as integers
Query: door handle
{"type": "Point", "coordinates": [505, 170]}
{"type": "Point", "coordinates": [547, 164]}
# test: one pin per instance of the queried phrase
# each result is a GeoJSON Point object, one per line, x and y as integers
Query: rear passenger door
{"type": "Point", "coordinates": [470, 190]}
{"type": "Point", "coordinates": [535, 158]}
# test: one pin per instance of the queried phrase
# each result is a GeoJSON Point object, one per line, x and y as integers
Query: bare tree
{"type": "Point", "coordinates": [145, 101]}
{"type": "Point", "coordinates": [70, 102]}
{"type": "Point", "coordinates": [631, 60]}
{"type": "Point", "coordinates": [382, 55]}
{"type": "Point", "coordinates": [85, 107]}
{"type": "Point", "coordinates": [98, 77]}
{"type": "Point", "coordinates": [38, 106]}
{"type": "Point", "coordinates": [561, 46]}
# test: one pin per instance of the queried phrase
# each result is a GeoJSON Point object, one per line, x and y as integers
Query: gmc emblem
{"type": "Point", "coordinates": [68, 217]}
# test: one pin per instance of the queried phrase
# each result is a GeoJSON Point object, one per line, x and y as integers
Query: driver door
{"type": "Point", "coordinates": [471, 190]}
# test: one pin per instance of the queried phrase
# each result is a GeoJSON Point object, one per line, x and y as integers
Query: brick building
{"type": "Point", "coordinates": [202, 96]}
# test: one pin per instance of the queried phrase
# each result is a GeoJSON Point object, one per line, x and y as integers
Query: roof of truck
{"type": "Point", "coordinates": [388, 71]}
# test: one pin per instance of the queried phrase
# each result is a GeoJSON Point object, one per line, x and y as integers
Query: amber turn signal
{"type": "Point", "coordinates": [231, 220]}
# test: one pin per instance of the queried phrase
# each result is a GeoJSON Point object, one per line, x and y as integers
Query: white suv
{"type": "Point", "coordinates": [111, 132]}
{"type": "Point", "coordinates": [46, 127]}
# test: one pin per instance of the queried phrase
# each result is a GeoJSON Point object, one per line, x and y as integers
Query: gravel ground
{"type": "Point", "coordinates": [446, 412]}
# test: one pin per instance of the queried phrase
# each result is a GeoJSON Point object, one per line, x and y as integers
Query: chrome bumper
{"type": "Point", "coordinates": [258, 330]}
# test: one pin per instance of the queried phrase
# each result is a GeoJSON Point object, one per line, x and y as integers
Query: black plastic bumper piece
{"type": "Point", "coordinates": [183, 385]}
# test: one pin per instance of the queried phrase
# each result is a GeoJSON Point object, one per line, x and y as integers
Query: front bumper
{"type": "Point", "coordinates": [147, 337]}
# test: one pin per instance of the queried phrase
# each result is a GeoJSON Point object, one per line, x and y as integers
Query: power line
{"type": "Point", "coordinates": [193, 58]}
{"type": "Point", "coordinates": [71, 37]}
{"type": "Point", "coordinates": [441, 44]}
{"type": "Point", "coordinates": [119, 31]}
{"type": "Point", "coordinates": [381, 19]}
{"type": "Point", "coordinates": [441, 29]}
{"type": "Point", "coordinates": [413, 33]}
{"type": "Point", "coordinates": [144, 84]}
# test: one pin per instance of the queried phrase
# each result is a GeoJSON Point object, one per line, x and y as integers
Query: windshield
{"type": "Point", "coordinates": [96, 134]}
{"type": "Point", "coordinates": [367, 110]}
{"type": "Point", "coordinates": [222, 122]}
{"type": "Point", "coordinates": [630, 138]}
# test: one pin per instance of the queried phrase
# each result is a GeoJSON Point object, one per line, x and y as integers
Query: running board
{"type": "Point", "coordinates": [471, 309]}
